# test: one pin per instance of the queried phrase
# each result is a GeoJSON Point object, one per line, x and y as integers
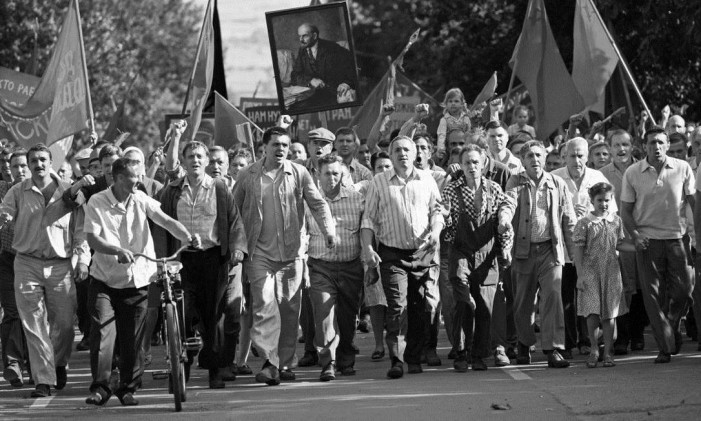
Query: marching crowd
{"type": "Point", "coordinates": [484, 228]}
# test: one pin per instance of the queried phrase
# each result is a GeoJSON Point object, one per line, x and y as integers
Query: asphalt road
{"type": "Point", "coordinates": [634, 389]}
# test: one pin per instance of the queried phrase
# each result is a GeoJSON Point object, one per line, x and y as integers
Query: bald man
{"type": "Point", "coordinates": [322, 65]}
{"type": "Point", "coordinates": [676, 124]}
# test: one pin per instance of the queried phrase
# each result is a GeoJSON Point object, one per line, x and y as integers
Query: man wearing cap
{"type": "Point", "coordinates": [82, 158]}
{"type": "Point", "coordinates": [320, 145]}
{"type": "Point", "coordinates": [271, 195]}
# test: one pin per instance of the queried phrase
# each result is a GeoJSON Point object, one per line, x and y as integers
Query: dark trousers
{"type": "Point", "coordinates": [404, 276]}
{"type": "Point", "coordinates": [14, 344]}
{"type": "Point", "coordinates": [205, 281]}
{"type": "Point", "coordinates": [116, 312]}
{"type": "Point", "coordinates": [503, 326]}
{"type": "Point", "coordinates": [335, 293]}
{"type": "Point", "coordinates": [82, 311]}
{"type": "Point", "coordinates": [474, 280]}
{"type": "Point", "coordinates": [666, 288]}
{"type": "Point", "coordinates": [306, 322]}
{"type": "Point", "coordinates": [233, 307]}
{"type": "Point", "coordinates": [575, 327]}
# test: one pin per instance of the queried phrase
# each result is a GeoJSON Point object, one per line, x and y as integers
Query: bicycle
{"type": "Point", "coordinates": [173, 316]}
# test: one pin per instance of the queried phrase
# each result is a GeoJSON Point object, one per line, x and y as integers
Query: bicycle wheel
{"type": "Point", "coordinates": [175, 351]}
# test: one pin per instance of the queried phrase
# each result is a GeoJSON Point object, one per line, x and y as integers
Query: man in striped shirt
{"type": "Point", "coordinates": [402, 212]}
{"type": "Point", "coordinates": [336, 274]}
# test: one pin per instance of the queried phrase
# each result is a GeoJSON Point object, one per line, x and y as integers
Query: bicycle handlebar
{"type": "Point", "coordinates": [163, 259]}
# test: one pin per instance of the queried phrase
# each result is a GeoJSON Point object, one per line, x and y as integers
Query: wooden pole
{"type": "Point", "coordinates": [91, 115]}
{"type": "Point", "coordinates": [197, 59]}
{"type": "Point", "coordinates": [624, 65]}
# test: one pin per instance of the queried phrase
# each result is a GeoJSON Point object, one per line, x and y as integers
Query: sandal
{"type": "Point", "coordinates": [608, 361]}
{"type": "Point", "coordinates": [593, 359]}
{"type": "Point", "coordinates": [377, 355]}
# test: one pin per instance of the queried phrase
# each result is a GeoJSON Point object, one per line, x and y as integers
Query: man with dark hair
{"type": "Point", "coordinates": [346, 145]}
{"type": "Point", "coordinates": [48, 233]}
{"type": "Point", "coordinates": [117, 226]}
{"type": "Point", "coordinates": [498, 136]}
{"type": "Point", "coordinates": [271, 195]}
{"type": "Point", "coordinates": [12, 338]}
{"type": "Point", "coordinates": [5, 155]}
{"type": "Point", "coordinates": [205, 206]}
{"type": "Point", "coordinates": [655, 192]}
{"type": "Point", "coordinates": [323, 65]}
{"type": "Point", "coordinates": [336, 276]}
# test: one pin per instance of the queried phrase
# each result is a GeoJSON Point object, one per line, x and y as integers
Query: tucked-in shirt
{"type": "Point", "coordinates": [271, 230]}
{"type": "Point", "coordinates": [45, 231]}
{"type": "Point", "coordinates": [659, 198]}
{"type": "Point", "coordinates": [580, 196]}
{"type": "Point", "coordinates": [540, 216]}
{"type": "Point", "coordinates": [199, 213]}
{"type": "Point", "coordinates": [125, 224]}
{"type": "Point", "coordinates": [402, 211]}
{"type": "Point", "coordinates": [8, 230]}
{"type": "Point", "coordinates": [347, 212]}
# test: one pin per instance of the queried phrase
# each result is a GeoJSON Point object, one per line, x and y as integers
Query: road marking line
{"type": "Point", "coordinates": [517, 374]}
{"type": "Point", "coordinates": [40, 403]}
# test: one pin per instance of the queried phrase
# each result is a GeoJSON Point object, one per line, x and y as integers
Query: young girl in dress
{"type": "Point", "coordinates": [454, 116]}
{"type": "Point", "coordinates": [597, 236]}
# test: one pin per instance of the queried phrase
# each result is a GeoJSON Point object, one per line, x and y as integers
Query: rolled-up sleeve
{"type": "Point", "coordinates": [372, 200]}
{"type": "Point", "coordinates": [317, 205]}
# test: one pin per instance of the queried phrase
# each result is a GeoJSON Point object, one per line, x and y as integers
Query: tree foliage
{"type": "Point", "coordinates": [155, 39]}
{"type": "Point", "coordinates": [464, 42]}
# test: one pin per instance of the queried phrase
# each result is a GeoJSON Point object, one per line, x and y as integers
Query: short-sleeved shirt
{"type": "Point", "coordinates": [580, 196]}
{"type": "Point", "coordinates": [125, 224]}
{"type": "Point", "coordinates": [659, 199]}
{"type": "Point", "coordinates": [347, 211]}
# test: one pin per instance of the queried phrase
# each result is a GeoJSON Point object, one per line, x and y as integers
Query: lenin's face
{"type": "Point", "coordinates": [307, 38]}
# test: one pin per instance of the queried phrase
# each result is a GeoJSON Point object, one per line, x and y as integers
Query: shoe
{"type": "Point", "coordinates": [584, 350]}
{"type": "Point", "coordinates": [309, 359]}
{"type": "Point", "coordinates": [215, 379]}
{"type": "Point", "coordinates": [13, 374]}
{"type": "Point", "coordinates": [415, 369]}
{"type": "Point", "coordinates": [84, 344]}
{"type": "Point", "coordinates": [41, 391]}
{"type": "Point", "coordinates": [128, 399]}
{"type": "Point", "coordinates": [511, 353]}
{"type": "Point", "coordinates": [524, 355]}
{"type": "Point", "coordinates": [500, 358]}
{"type": "Point", "coordinates": [228, 374]}
{"type": "Point", "coordinates": [593, 360]}
{"type": "Point", "coordinates": [663, 358]}
{"type": "Point", "coordinates": [460, 364]}
{"type": "Point", "coordinates": [377, 355]}
{"type": "Point", "coordinates": [677, 342]}
{"type": "Point", "coordinates": [347, 371]}
{"type": "Point", "coordinates": [287, 374]}
{"type": "Point", "coordinates": [242, 369]}
{"type": "Point", "coordinates": [478, 364]}
{"type": "Point", "coordinates": [97, 398]}
{"type": "Point", "coordinates": [328, 373]}
{"type": "Point", "coordinates": [453, 354]}
{"type": "Point", "coordinates": [396, 371]}
{"type": "Point", "coordinates": [566, 354]}
{"type": "Point", "coordinates": [620, 349]}
{"type": "Point", "coordinates": [555, 360]}
{"type": "Point", "coordinates": [61, 377]}
{"type": "Point", "coordinates": [432, 358]}
{"type": "Point", "coordinates": [269, 375]}
{"type": "Point", "coordinates": [637, 345]}
{"type": "Point", "coordinates": [608, 361]}
{"type": "Point", "coordinates": [363, 326]}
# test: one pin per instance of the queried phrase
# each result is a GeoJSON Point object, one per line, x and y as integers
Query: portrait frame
{"type": "Point", "coordinates": [298, 70]}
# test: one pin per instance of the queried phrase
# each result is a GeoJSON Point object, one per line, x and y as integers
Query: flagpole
{"type": "Point", "coordinates": [197, 59]}
{"type": "Point", "coordinates": [511, 86]}
{"type": "Point", "coordinates": [85, 68]}
{"type": "Point", "coordinates": [623, 62]}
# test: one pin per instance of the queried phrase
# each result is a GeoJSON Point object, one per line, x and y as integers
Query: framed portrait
{"type": "Point", "coordinates": [313, 58]}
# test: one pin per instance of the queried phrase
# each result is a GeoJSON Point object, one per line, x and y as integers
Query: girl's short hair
{"type": "Point", "coordinates": [452, 93]}
{"type": "Point", "coordinates": [600, 188]}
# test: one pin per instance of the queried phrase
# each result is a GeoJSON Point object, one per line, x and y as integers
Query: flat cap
{"type": "Point", "coordinates": [321, 134]}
